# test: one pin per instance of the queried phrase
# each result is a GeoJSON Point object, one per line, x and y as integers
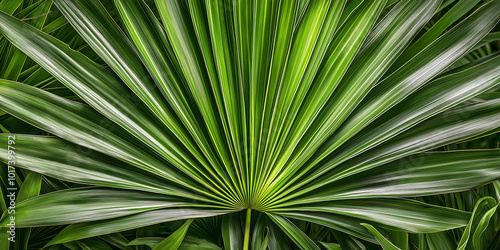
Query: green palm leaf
{"type": "Point", "coordinates": [316, 118]}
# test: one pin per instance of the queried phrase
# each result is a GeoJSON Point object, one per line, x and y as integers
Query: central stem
{"type": "Point", "coordinates": [246, 240]}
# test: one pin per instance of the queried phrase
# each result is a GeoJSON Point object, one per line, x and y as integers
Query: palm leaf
{"type": "Point", "coordinates": [316, 118]}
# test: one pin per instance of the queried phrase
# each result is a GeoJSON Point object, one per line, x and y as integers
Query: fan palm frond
{"type": "Point", "coordinates": [317, 111]}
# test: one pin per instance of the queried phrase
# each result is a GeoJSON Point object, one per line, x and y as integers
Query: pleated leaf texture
{"type": "Point", "coordinates": [320, 111]}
